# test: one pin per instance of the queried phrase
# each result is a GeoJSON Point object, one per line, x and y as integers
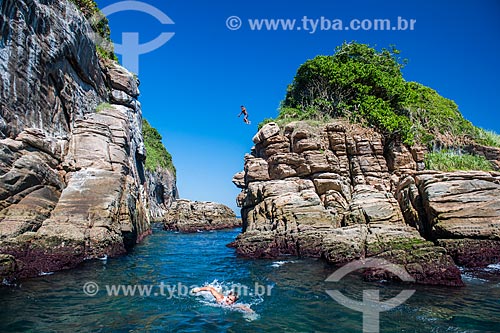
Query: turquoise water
{"type": "Point", "coordinates": [297, 301]}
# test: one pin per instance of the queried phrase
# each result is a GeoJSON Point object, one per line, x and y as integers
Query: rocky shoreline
{"type": "Point", "coordinates": [73, 185]}
{"type": "Point", "coordinates": [342, 192]}
{"type": "Point", "coordinates": [193, 216]}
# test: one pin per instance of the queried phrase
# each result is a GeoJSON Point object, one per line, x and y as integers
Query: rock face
{"type": "Point", "coordinates": [162, 192]}
{"type": "Point", "coordinates": [72, 180]}
{"type": "Point", "coordinates": [50, 71]}
{"type": "Point", "coordinates": [193, 216]}
{"type": "Point", "coordinates": [342, 192]}
{"type": "Point", "coordinates": [492, 154]}
{"type": "Point", "coordinates": [459, 211]}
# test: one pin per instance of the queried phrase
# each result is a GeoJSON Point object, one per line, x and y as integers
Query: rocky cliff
{"type": "Point", "coordinates": [162, 192]}
{"type": "Point", "coordinates": [192, 216]}
{"type": "Point", "coordinates": [344, 192]}
{"type": "Point", "coordinates": [72, 179]}
{"type": "Point", "coordinates": [160, 173]}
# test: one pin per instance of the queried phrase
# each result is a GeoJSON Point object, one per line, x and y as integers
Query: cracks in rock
{"type": "Point", "coordinates": [58, 97]}
{"type": "Point", "coordinates": [388, 147]}
{"type": "Point", "coordinates": [350, 159]}
{"type": "Point", "coordinates": [422, 213]}
{"type": "Point", "coordinates": [364, 240]}
{"type": "Point", "coordinates": [80, 73]}
{"type": "Point", "coordinates": [444, 197]}
{"type": "Point", "coordinates": [297, 248]}
{"type": "Point", "coordinates": [409, 201]}
{"type": "Point", "coordinates": [15, 198]}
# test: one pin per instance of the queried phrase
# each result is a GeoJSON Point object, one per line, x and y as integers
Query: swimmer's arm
{"type": "Point", "coordinates": [218, 296]}
{"type": "Point", "coordinates": [243, 307]}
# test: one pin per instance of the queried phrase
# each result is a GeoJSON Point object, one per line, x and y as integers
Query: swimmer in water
{"type": "Point", "coordinates": [228, 300]}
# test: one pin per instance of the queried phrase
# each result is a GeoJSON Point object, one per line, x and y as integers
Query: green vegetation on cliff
{"type": "Point", "coordinates": [358, 83]}
{"type": "Point", "coordinates": [445, 160]}
{"type": "Point", "coordinates": [367, 86]}
{"type": "Point", "coordinates": [488, 138]}
{"type": "Point", "coordinates": [157, 155]}
{"type": "Point", "coordinates": [103, 106]}
{"type": "Point", "coordinates": [100, 24]}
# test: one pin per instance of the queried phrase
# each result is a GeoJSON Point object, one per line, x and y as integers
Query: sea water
{"type": "Point", "coordinates": [286, 295]}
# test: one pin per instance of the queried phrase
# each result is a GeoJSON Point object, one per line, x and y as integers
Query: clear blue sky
{"type": "Point", "coordinates": [193, 86]}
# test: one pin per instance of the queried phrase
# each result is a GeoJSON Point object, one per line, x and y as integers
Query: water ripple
{"type": "Point", "coordinates": [297, 303]}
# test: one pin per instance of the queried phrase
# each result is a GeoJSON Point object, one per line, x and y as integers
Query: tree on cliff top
{"type": "Point", "coordinates": [157, 155]}
{"type": "Point", "coordinates": [367, 86]}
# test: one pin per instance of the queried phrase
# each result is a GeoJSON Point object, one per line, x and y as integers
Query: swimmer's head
{"type": "Point", "coordinates": [231, 298]}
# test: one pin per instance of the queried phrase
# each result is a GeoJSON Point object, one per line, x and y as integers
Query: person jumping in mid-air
{"type": "Point", "coordinates": [245, 113]}
{"type": "Point", "coordinates": [228, 300]}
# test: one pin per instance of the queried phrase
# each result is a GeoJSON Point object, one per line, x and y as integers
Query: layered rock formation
{"type": "Point", "coordinates": [192, 216]}
{"type": "Point", "coordinates": [72, 180]}
{"type": "Point", "coordinates": [342, 192]}
{"type": "Point", "coordinates": [50, 73]}
{"type": "Point", "coordinates": [459, 211]}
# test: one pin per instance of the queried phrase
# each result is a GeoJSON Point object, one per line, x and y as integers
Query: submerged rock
{"type": "Point", "coordinates": [193, 216]}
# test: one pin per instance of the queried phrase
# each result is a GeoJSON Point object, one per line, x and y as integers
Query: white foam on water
{"type": "Point", "coordinates": [472, 278]}
{"type": "Point", "coordinates": [493, 267]}
{"type": "Point", "coordinates": [280, 263]}
{"type": "Point", "coordinates": [250, 316]}
{"type": "Point", "coordinates": [5, 282]}
{"type": "Point", "coordinates": [45, 273]}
